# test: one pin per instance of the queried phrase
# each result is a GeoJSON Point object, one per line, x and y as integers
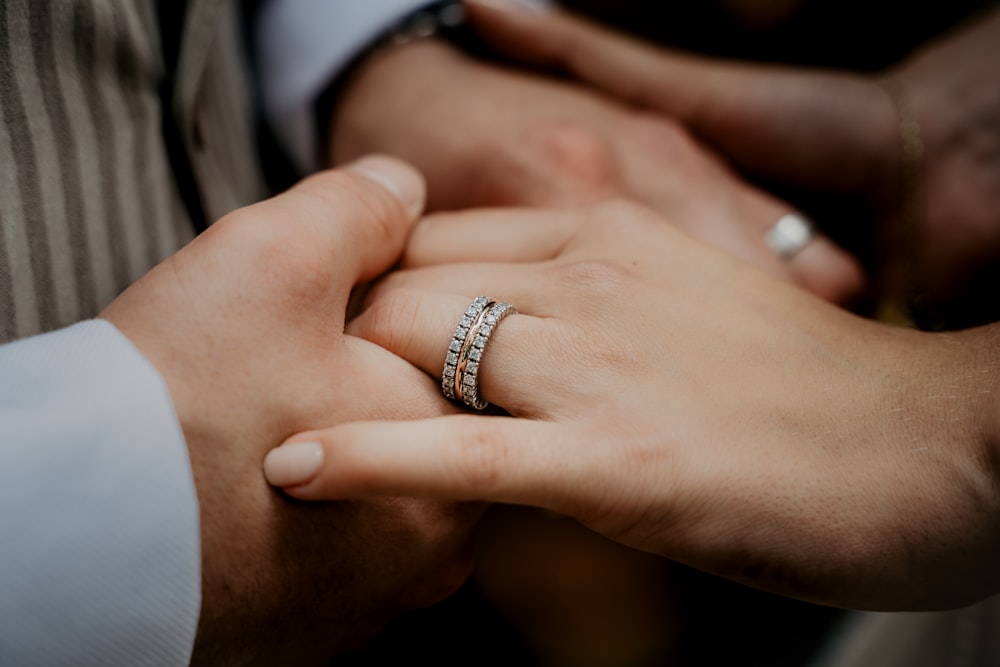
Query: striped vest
{"type": "Point", "coordinates": [89, 197]}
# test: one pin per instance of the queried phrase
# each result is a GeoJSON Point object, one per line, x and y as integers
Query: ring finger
{"type": "Point", "coordinates": [511, 366]}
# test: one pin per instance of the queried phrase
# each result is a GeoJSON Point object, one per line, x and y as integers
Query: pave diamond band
{"type": "Point", "coordinates": [473, 354]}
{"type": "Point", "coordinates": [450, 373]}
{"type": "Point", "coordinates": [460, 377]}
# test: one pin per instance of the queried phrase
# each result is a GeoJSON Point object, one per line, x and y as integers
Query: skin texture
{"type": "Point", "coordinates": [486, 135]}
{"type": "Point", "coordinates": [682, 402]}
{"type": "Point", "coordinates": [830, 131]}
{"type": "Point", "coordinates": [246, 326]}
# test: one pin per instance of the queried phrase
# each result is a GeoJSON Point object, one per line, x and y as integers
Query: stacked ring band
{"type": "Point", "coordinates": [460, 377]}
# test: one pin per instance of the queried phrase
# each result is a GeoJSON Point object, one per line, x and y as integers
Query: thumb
{"type": "Point", "coordinates": [355, 219]}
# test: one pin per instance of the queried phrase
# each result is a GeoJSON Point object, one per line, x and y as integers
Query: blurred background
{"type": "Point", "coordinates": [855, 34]}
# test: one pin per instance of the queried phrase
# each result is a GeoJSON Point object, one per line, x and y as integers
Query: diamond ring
{"type": "Point", "coordinates": [460, 377]}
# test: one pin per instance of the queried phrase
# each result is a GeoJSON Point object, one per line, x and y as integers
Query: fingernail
{"type": "Point", "coordinates": [538, 6]}
{"type": "Point", "coordinates": [293, 464]}
{"type": "Point", "coordinates": [396, 176]}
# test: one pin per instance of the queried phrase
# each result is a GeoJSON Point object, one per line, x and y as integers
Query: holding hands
{"type": "Point", "coordinates": [683, 402]}
{"type": "Point", "coordinates": [668, 395]}
{"type": "Point", "coordinates": [675, 376]}
{"type": "Point", "coordinates": [662, 380]}
{"type": "Point", "coordinates": [246, 326]}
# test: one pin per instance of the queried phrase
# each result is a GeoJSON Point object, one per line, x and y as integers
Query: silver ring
{"type": "Point", "coordinates": [460, 377]}
{"type": "Point", "coordinates": [790, 234]}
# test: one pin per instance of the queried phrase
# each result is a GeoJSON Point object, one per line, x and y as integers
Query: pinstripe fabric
{"type": "Point", "coordinates": [212, 106]}
{"type": "Point", "coordinates": [88, 201]}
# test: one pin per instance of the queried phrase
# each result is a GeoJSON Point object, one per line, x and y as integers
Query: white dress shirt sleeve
{"type": "Point", "coordinates": [301, 45]}
{"type": "Point", "coordinates": [99, 529]}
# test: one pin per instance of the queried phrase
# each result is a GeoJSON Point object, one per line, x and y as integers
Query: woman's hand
{"type": "Point", "coordinates": [490, 136]}
{"type": "Point", "coordinates": [682, 402]}
{"type": "Point", "coordinates": [829, 131]}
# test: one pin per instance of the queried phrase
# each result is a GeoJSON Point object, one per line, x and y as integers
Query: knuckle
{"type": "Point", "coordinates": [324, 198]}
{"type": "Point", "coordinates": [444, 560]}
{"type": "Point", "coordinates": [390, 320]}
{"type": "Point", "coordinates": [594, 277]}
{"type": "Point", "coordinates": [338, 193]}
{"type": "Point", "coordinates": [609, 352]}
{"type": "Point", "coordinates": [581, 157]}
{"type": "Point", "coordinates": [625, 224]}
{"type": "Point", "coordinates": [290, 240]}
{"type": "Point", "coordinates": [445, 579]}
{"type": "Point", "coordinates": [672, 143]}
{"type": "Point", "coordinates": [481, 459]}
{"type": "Point", "coordinates": [283, 254]}
{"type": "Point", "coordinates": [624, 214]}
{"type": "Point", "coordinates": [661, 130]}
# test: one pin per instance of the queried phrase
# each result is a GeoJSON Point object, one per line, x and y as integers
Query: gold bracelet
{"type": "Point", "coordinates": [907, 232]}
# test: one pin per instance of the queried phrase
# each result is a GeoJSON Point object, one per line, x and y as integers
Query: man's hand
{"type": "Point", "coordinates": [828, 131]}
{"type": "Point", "coordinates": [246, 325]}
{"type": "Point", "coordinates": [484, 135]}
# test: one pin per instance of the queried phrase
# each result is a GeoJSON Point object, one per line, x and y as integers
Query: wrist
{"type": "Point", "coordinates": [947, 411]}
{"type": "Point", "coordinates": [962, 386]}
{"type": "Point", "coordinates": [387, 92]}
{"type": "Point", "coordinates": [970, 383]}
{"type": "Point", "coordinates": [989, 372]}
{"type": "Point", "coordinates": [443, 23]}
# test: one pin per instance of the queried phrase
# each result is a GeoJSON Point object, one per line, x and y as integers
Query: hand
{"type": "Point", "coordinates": [487, 136]}
{"type": "Point", "coordinates": [825, 130]}
{"type": "Point", "coordinates": [246, 326]}
{"type": "Point", "coordinates": [682, 402]}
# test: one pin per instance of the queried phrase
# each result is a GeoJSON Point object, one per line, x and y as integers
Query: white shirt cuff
{"type": "Point", "coordinates": [100, 558]}
{"type": "Point", "coordinates": [301, 46]}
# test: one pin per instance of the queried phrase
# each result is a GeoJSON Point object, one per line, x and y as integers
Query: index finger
{"type": "Point", "coordinates": [495, 459]}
